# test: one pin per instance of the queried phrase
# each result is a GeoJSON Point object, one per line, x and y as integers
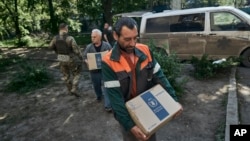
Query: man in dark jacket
{"type": "Point", "coordinates": [97, 45]}
{"type": "Point", "coordinates": [108, 34]}
{"type": "Point", "coordinates": [128, 70]}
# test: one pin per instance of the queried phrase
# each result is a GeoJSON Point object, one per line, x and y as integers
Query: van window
{"type": "Point", "coordinates": [225, 21]}
{"type": "Point", "coordinates": [156, 25]}
{"type": "Point", "coordinates": [179, 23]}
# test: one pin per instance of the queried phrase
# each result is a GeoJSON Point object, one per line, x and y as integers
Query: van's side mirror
{"type": "Point", "coordinates": [243, 26]}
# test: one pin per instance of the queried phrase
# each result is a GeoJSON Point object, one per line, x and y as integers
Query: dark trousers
{"type": "Point", "coordinates": [96, 77]}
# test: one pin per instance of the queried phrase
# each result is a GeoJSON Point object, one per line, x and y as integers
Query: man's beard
{"type": "Point", "coordinates": [127, 50]}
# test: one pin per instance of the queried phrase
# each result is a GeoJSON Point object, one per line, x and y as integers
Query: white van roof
{"type": "Point", "coordinates": [190, 11]}
{"type": "Point", "coordinates": [133, 14]}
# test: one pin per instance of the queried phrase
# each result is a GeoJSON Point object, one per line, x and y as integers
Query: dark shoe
{"type": "Point", "coordinates": [98, 99]}
{"type": "Point", "coordinates": [108, 109]}
{"type": "Point", "coordinates": [69, 86]}
{"type": "Point", "coordinates": [75, 94]}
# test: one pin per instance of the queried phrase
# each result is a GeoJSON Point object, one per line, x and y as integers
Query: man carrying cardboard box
{"type": "Point", "coordinates": [97, 47]}
{"type": "Point", "coordinates": [129, 70]}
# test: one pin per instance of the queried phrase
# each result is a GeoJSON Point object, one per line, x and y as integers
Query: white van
{"type": "Point", "coordinates": [219, 32]}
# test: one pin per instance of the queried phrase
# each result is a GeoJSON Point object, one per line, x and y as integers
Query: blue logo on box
{"type": "Point", "coordinates": [98, 58]}
{"type": "Point", "coordinates": [154, 105]}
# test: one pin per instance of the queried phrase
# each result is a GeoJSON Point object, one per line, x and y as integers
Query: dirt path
{"type": "Point", "coordinates": [243, 85]}
{"type": "Point", "coordinates": [50, 114]}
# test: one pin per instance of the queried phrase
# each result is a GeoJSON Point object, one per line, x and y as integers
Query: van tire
{"type": "Point", "coordinates": [246, 58]}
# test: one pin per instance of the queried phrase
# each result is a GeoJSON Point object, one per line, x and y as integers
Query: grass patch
{"type": "Point", "coordinates": [31, 76]}
{"type": "Point", "coordinates": [27, 41]}
{"type": "Point", "coordinates": [5, 62]}
{"type": "Point", "coordinates": [206, 68]}
{"type": "Point", "coordinates": [8, 43]}
{"type": "Point", "coordinates": [41, 41]}
{"type": "Point", "coordinates": [220, 132]}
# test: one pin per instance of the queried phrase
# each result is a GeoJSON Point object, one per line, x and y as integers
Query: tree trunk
{"type": "Point", "coordinates": [107, 7]}
{"type": "Point", "coordinates": [16, 20]}
{"type": "Point", "coordinates": [53, 20]}
{"type": "Point", "coordinates": [15, 17]}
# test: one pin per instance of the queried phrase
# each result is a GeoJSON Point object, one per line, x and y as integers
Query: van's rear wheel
{"type": "Point", "coordinates": [246, 58]}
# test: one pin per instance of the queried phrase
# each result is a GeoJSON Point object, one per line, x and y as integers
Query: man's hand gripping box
{"type": "Point", "coordinates": [152, 109]}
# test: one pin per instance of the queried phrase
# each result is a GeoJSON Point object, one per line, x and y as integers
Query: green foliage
{"type": "Point", "coordinates": [203, 67]}
{"type": "Point", "coordinates": [229, 63]}
{"type": "Point", "coordinates": [93, 8]}
{"type": "Point", "coordinates": [25, 41]}
{"type": "Point", "coordinates": [34, 15]}
{"type": "Point", "coordinates": [8, 61]}
{"type": "Point", "coordinates": [128, 6]}
{"type": "Point", "coordinates": [30, 77]}
{"type": "Point", "coordinates": [170, 65]}
{"type": "Point", "coordinates": [82, 39]}
{"type": "Point", "coordinates": [203, 3]}
{"type": "Point", "coordinates": [220, 132]}
{"type": "Point", "coordinates": [8, 43]}
{"type": "Point", "coordinates": [67, 11]}
{"type": "Point", "coordinates": [206, 68]}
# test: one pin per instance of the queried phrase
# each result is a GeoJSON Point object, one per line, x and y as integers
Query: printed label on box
{"type": "Point", "coordinates": [95, 60]}
{"type": "Point", "coordinates": [155, 105]}
{"type": "Point", "coordinates": [152, 109]}
{"type": "Point", "coordinates": [98, 58]}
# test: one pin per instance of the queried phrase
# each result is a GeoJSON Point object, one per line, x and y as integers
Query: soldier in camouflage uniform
{"type": "Point", "coordinates": [70, 58]}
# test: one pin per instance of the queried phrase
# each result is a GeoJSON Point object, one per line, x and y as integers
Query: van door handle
{"type": "Point", "coordinates": [199, 34]}
{"type": "Point", "coordinates": [212, 34]}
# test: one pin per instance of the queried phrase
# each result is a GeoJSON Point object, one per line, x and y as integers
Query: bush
{"type": "Point", "coordinates": [205, 68]}
{"type": "Point", "coordinates": [25, 41]}
{"type": "Point", "coordinates": [227, 64]}
{"type": "Point", "coordinates": [7, 61]}
{"type": "Point", "coordinates": [30, 77]}
{"type": "Point", "coordinates": [170, 65]}
{"type": "Point", "coordinates": [82, 39]}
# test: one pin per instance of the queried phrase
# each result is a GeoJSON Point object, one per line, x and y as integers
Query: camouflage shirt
{"type": "Point", "coordinates": [76, 54]}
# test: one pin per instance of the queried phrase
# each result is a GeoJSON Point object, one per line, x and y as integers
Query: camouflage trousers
{"type": "Point", "coordinates": [71, 75]}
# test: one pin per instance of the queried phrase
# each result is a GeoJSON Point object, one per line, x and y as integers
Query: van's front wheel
{"type": "Point", "coordinates": [246, 58]}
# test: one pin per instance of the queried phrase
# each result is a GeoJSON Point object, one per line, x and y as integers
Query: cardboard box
{"type": "Point", "coordinates": [95, 60]}
{"type": "Point", "coordinates": [152, 109]}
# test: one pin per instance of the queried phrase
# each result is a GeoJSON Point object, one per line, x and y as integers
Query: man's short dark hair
{"type": "Point", "coordinates": [62, 26]}
{"type": "Point", "coordinates": [124, 21]}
